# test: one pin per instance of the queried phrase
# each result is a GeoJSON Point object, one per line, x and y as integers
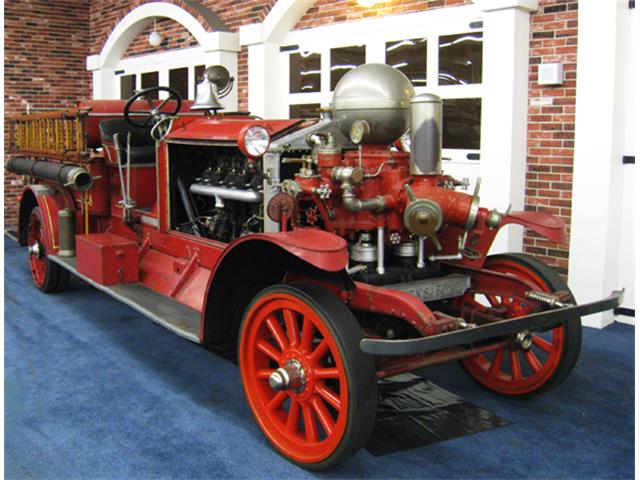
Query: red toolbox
{"type": "Point", "coordinates": [107, 259]}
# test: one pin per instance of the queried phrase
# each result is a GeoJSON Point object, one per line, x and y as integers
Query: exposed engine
{"type": "Point", "coordinates": [392, 206]}
{"type": "Point", "coordinates": [217, 192]}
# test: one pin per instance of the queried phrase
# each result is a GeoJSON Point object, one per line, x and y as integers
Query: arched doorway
{"type": "Point", "coordinates": [114, 74]}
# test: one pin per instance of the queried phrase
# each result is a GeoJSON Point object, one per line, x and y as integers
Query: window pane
{"type": "Point", "coordinates": [461, 121]}
{"type": "Point", "coordinates": [309, 110]}
{"type": "Point", "coordinates": [345, 59]}
{"type": "Point", "coordinates": [179, 81]}
{"type": "Point", "coordinates": [127, 86]}
{"type": "Point", "coordinates": [410, 57]}
{"type": "Point", "coordinates": [304, 72]}
{"type": "Point", "coordinates": [198, 72]}
{"type": "Point", "coordinates": [460, 59]}
{"type": "Point", "coordinates": [148, 80]}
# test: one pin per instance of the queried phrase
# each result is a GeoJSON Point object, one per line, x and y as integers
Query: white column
{"type": "Point", "coordinates": [597, 164]}
{"type": "Point", "coordinates": [504, 110]}
{"type": "Point", "coordinates": [264, 79]}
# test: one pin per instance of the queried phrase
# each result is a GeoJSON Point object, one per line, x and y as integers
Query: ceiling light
{"type": "Point", "coordinates": [367, 3]}
{"type": "Point", "coordinates": [155, 39]}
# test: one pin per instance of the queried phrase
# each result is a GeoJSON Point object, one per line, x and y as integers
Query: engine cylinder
{"type": "Point", "coordinates": [426, 134]}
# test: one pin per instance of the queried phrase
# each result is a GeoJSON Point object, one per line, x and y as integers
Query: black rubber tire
{"type": "Point", "coordinates": [573, 326]}
{"type": "Point", "coordinates": [56, 277]}
{"type": "Point", "coordinates": [359, 368]}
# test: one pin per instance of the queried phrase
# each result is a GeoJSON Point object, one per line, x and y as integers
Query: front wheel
{"type": "Point", "coordinates": [47, 276]}
{"type": "Point", "coordinates": [311, 389]}
{"type": "Point", "coordinates": [523, 372]}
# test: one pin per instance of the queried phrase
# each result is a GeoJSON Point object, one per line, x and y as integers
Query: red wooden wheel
{"type": "Point", "coordinates": [47, 276]}
{"type": "Point", "coordinates": [516, 370]}
{"type": "Point", "coordinates": [37, 256]}
{"type": "Point", "coordinates": [311, 390]}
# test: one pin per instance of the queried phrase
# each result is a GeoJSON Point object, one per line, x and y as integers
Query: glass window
{"type": "Point", "coordinates": [198, 72]}
{"type": "Point", "coordinates": [460, 59]}
{"type": "Point", "coordinates": [461, 123]}
{"type": "Point", "coordinates": [345, 59]}
{"type": "Point", "coordinates": [410, 57]}
{"type": "Point", "coordinates": [148, 80]}
{"type": "Point", "coordinates": [304, 72]}
{"type": "Point", "coordinates": [179, 81]}
{"type": "Point", "coordinates": [308, 110]}
{"type": "Point", "coordinates": [127, 86]}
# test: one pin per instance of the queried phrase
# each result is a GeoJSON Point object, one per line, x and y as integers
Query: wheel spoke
{"type": "Point", "coordinates": [277, 333]}
{"type": "Point", "coordinates": [276, 402]}
{"type": "Point", "coordinates": [323, 414]}
{"type": "Point", "coordinates": [308, 329]}
{"type": "Point", "coordinates": [310, 428]}
{"type": "Point", "coordinates": [324, 373]}
{"type": "Point", "coordinates": [294, 416]}
{"type": "Point", "coordinates": [493, 300]}
{"type": "Point", "coordinates": [319, 352]}
{"type": "Point", "coordinates": [269, 350]}
{"type": "Point", "coordinates": [516, 370]}
{"type": "Point", "coordinates": [264, 373]}
{"type": "Point", "coordinates": [331, 397]}
{"type": "Point", "coordinates": [292, 326]}
{"type": "Point", "coordinates": [496, 364]}
{"type": "Point", "coordinates": [533, 361]}
{"type": "Point", "coordinates": [163, 103]}
{"type": "Point", "coordinates": [542, 344]}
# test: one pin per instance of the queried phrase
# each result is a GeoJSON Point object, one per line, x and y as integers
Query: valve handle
{"type": "Point", "coordinates": [410, 193]}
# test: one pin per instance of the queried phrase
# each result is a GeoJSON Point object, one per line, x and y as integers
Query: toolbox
{"type": "Point", "coordinates": [107, 259]}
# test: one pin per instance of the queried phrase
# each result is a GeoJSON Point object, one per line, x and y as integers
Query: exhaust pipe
{"type": "Point", "coordinates": [426, 135]}
{"type": "Point", "coordinates": [67, 175]}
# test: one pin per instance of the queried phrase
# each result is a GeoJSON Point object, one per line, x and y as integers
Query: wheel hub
{"type": "Point", "coordinates": [290, 377]}
{"type": "Point", "coordinates": [524, 339]}
{"type": "Point", "coordinates": [36, 250]}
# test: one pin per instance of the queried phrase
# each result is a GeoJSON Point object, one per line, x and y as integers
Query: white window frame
{"type": "Point", "coordinates": [162, 63]}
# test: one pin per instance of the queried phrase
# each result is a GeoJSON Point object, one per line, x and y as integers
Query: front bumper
{"type": "Point", "coordinates": [535, 322]}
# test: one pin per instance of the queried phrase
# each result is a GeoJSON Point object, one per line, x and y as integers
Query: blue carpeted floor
{"type": "Point", "coordinates": [94, 390]}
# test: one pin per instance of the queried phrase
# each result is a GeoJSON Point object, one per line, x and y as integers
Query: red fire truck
{"type": "Point", "coordinates": [333, 252]}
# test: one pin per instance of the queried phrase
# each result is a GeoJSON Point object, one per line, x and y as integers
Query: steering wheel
{"type": "Point", "coordinates": [152, 114]}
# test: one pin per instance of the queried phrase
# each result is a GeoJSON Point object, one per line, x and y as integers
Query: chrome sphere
{"type": "Point", "coordinates": [375, 93]}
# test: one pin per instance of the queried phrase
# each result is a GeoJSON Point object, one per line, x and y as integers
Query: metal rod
{"type": "Point", "coordinates": [380, 267]}
{"type": "Point", "coordinates": [224, 193]}
{"type": "Point", "coordinates": [420, 263]}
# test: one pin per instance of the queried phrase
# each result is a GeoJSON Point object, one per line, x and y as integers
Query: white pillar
{"type": "Point", "coordinates": [505, 70]}
{"type": "Point", "coordinates": [597, 164]}
{"type": "Point", "coordinates": [264, 79]}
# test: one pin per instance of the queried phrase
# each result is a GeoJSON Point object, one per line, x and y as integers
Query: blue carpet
{"type": "Point", "coordinates": [95, 390]}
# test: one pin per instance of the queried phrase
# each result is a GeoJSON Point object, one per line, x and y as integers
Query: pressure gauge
{"type": "Point", "coordinates": [359, 129]}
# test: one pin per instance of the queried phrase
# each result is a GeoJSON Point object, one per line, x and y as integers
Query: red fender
{"type": "Point", "coordinates": [50, 201]}
{"type": "Point", "coordinates": [545, 224]}
{"type": "Point", "coordinates": [318, 248]}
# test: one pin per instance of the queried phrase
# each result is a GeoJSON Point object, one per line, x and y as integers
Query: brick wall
{"type": "Point", "coordinates": [174, 36]}
{"type": "Point", "coordinates": [325, 12]}
{"type": "Point", "coordinates": [45, 52]}
{"type": "Point", "coordinates": [554, 38]}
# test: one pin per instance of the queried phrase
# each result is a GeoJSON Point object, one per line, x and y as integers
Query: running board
{"type": "Point", "coordinates": [169, 313]}
{"type": "Point", "coordinates": [535, 322]}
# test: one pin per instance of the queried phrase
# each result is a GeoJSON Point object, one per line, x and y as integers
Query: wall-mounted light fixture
{"type": "Point", "coordinates": [155, 39]}
{"type": "Point", "coordinates": [367, 3]}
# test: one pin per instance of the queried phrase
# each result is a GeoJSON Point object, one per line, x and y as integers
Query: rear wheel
{"type": "Point", "coordinates": [312, 391]}
{"type": "Point", "coordinates": [47, 276]}
{"type": "Point", "coordinates": [517, 371]}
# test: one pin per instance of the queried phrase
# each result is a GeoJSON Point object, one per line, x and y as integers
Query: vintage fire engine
{"type": "Point", "coordinates": [333, 252]}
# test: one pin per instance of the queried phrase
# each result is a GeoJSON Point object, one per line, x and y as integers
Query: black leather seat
{"type": "Point", "coordinates": [143, 150]}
